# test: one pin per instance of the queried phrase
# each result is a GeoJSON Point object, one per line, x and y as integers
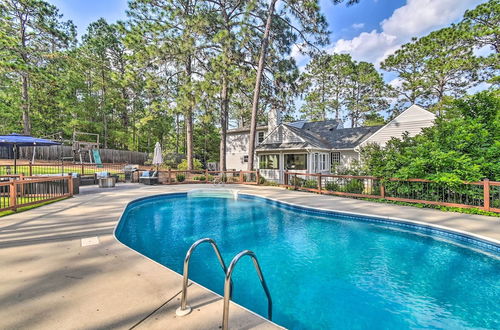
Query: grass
{"type": "Point", "coordinates": [25, 208]}
{"type": "Point", "coordinates": [436, 207]}
{"type": "Point", "coordinates": [428, 206]}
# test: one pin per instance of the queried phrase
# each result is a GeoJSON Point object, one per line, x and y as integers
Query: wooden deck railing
{"type": "Point", "coordinates": [24, 191]}
{"type": "Point", "coordinates": [484, 195]}
{"type": "Point", "coordinates": [58, 168]}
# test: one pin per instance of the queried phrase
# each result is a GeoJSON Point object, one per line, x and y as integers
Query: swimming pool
{"type": "Point", "coordinates": [324, 269]}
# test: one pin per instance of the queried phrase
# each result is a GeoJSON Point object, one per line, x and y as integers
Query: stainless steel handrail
{"type": "Point", "coordinates": [228, 287]}
{"type": "Point", "coordinates": [184, 309]}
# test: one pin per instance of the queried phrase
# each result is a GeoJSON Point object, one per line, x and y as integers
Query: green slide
{"type": "Point", "coordinates": [97, 157]}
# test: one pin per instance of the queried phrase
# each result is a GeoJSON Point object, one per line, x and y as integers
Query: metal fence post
{"type": "Point", "coordinates": [257, 176]}
{"type": "Point", "coordinates": [319, 183]}
{"type": "Point", "coordinates": [169, 176]}
{"type": "Point", "coordinates": [382, 189]}
{"type": "Point", "coordinates": [486, 190]}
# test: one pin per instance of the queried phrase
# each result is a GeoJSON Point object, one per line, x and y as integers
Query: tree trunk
{"type": "Point", "coordinates": [25, 80]}
{"type": "Point", "coordinates": [258, 85]}
{"type": "Point", "coordinates": [103, 109]}
{"type": "Point", "coordinates": [189, 120]}
{"type": "Point", "coordinates": [26, 105]}
{"type": "Point", "coordinates": [223, 122]}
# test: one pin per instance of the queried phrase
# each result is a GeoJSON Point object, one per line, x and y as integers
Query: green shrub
{"type": "Point", "coordinates": [271, 184]}
{"type": "Point", "coordinates": [199, 178]}
{"type": "Point", "coordinates": [296, 181]}
{"type": "Point", "coordinates": [332, 186]}
{"type": "Point", "coordinates": [262, 180]}
{"type": "Point", "coordinates": [354, 186]}
{"type": "Point", "coordinates": [180, 177]}
{"type": "Point", "coordinates": [197, 165]}
{"type": "Point", "coordinates": [311, 184]}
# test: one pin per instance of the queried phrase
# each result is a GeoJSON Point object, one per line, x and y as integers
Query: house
{"type": "Point", "coordinates": [313, 147]}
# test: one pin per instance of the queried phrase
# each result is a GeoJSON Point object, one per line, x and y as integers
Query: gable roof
{"type": "Point", "coordinates": [349, 138]}
{"type": "Point", "coordinates": [322, 135]}
{"type": "Point", "coordinates": [245, 129]}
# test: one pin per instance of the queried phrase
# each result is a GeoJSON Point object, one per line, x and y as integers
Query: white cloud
{"type": "Point", "coordinates": [396, 82]}
{"type": "Point", "coordinates": [367, 46]}
{"type": "Point", "coordinates": [415, 19]}
{"type": "Point", "coordinates": [300, 58]}
{"type": "Point", "coordinates": [358, 26]}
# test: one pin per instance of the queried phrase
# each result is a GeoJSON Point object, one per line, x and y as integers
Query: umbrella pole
{"type": "Point", "coordinates": [15, 159]}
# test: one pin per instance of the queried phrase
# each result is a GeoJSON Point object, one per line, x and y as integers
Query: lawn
{"type": "Point", "coordinates": [25, 208]}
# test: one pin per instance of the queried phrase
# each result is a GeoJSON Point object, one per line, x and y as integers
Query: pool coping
{"type": "Point", "coordinates": [437, 231]}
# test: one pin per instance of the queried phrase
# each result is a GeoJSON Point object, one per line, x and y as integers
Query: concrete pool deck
{"type": "Point", "coordinates": [48, 280]}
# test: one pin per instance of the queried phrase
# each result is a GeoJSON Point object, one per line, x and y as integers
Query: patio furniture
{"type": "Point", "coordinates": [149, 177]}
{"type": "Point", "coordinates": [105, 179]}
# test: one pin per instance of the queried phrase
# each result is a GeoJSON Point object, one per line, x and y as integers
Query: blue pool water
{"type": "Point", "coordinates": [323, 270]}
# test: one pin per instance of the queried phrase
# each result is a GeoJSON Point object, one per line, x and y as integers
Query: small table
{"type": "Point", "coordinates": [106, 182]}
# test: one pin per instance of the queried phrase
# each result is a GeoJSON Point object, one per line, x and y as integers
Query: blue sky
{"type": "Point", "coordinates": [369, 31]}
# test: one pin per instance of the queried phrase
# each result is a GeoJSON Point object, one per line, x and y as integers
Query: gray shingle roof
{"type": "Point", "coordinates": [348, 138]}
{"type": "Point", "coordinates": [324, 135]}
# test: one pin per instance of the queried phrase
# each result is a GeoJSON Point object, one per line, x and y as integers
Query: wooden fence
{"type": "Point", "coordinates": [484, 195]}
{"type": "Point", "coordinates": [21, 191]}
{"type": "Point", "coordinates": [54, 153]}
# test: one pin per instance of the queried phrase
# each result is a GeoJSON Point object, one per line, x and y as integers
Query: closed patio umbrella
{"type": "Point", "coordinates": [17, 140]}
{"type": "Point", "coordinates": [157, 156]}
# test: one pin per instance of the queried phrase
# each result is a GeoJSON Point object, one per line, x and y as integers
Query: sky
{"type": "Point", "coordinates": [369, 31]}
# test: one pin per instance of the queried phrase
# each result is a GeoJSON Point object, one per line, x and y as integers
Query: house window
{"type": "Point", "coordinates": [296, 162]}
{"type": "Point", "coordinates": [245, 159]}
{"type": "Point", "coordinates": [323, 162]}
{"type": "Point", "coordinates": [335, 158]}
{"type": "Point", "coordinates": [260, 137]}
{"type": "Point", "coordinates": [269, 162]}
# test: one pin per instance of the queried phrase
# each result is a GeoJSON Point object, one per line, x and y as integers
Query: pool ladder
{"type": "Point", "coordinates": [185, 309]}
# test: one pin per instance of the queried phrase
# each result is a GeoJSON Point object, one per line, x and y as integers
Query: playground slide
{"type": "Point", "coordinates": [97, 157]}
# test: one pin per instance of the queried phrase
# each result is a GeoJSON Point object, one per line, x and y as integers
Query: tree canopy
{"type": "Point", "coordinates": [180, 71]}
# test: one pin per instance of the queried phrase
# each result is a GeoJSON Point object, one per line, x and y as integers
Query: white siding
{"type": "Point", "coordinates": [237, 148]}
{"type": "Point", "coordinates": [412, 120]}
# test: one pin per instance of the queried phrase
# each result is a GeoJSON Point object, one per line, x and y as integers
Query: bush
{"type": "Point", "coordinates": [296, 181]}
{"type": "Point", "coordinates": [199, 178]}
{"type": "Point", "coordinates": [354, 186]}
{"type": "Point", "coordinates": [332, 186]}
{"type": "Point", "coordinates": [180, 177]}
{"type": "Point", "coordinates": [197, 165]}
{"type": "Point", "coordinates": [311, 184]}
